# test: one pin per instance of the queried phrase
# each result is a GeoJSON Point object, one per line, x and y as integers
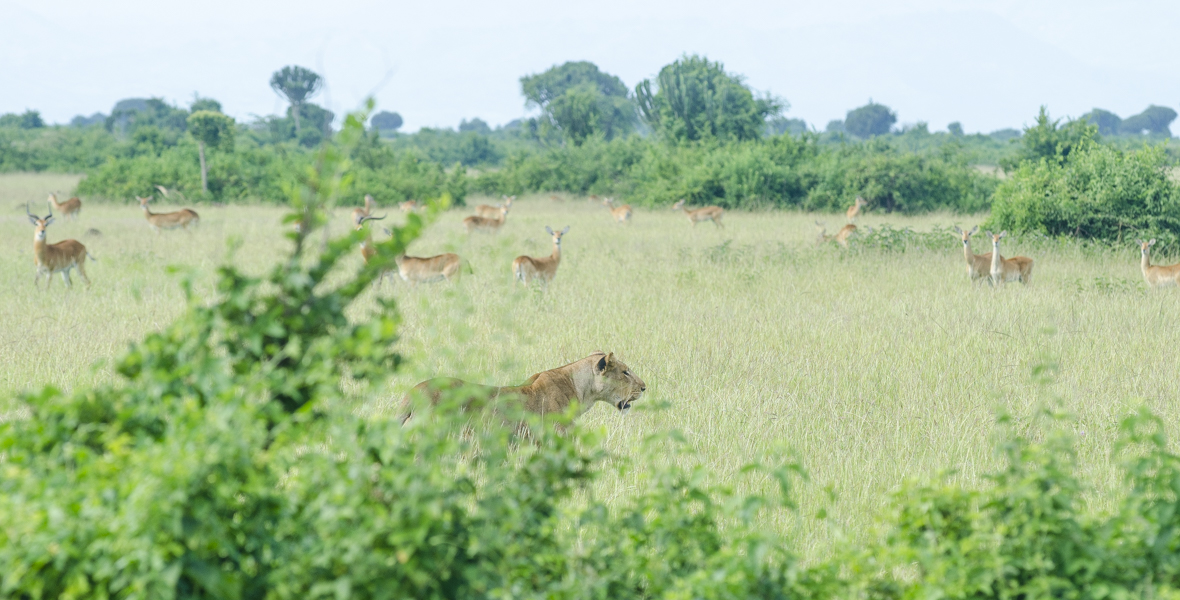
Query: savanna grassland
{"type": "Point", "coordinates": [872, 366]}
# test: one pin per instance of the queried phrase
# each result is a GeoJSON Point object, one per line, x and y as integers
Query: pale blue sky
{"type": "Point", "coordinates": [988, 64]}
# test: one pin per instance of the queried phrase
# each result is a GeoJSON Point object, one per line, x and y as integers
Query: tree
{"type": "Point", "coordinates": [386, 121]}
{"type": "Point", "coordinates": [955, 128]}
{"type": "Point", "coordinates": [211, 129]}
{"type": "Point", "coordinates": [1152, 121]}
{"type": "Point", "coordinates": [578, 100]}
{"type": "Point", "coordinates": [476, 125]}
{"type": "Point", "coordinates": [835, 126]}
{"type": "Point", "coordinates": [695, 99]}
{"type": "Point", "coordinates": [869, 120]}
{"type": "Point", "coordinates": [1051, 140]}
{"type": "Point", "coordinates": [1108, 123]}
{"type": "Point", "coordinates": [296, 84]}
{"type": "Point", "coordinates": [780, 125]}
{"type": "Point", "coordinates": [205, 104]}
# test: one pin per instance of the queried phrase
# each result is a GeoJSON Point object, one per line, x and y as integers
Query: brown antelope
{"type": "Point", "coordinates": [488, 211]}
{"type": "Point", "coordinates": [70, 209]}
{"type": "Point", "coordinates": [979, 266]}
{"type": "Point", "coordinates": [408, 206]}
{"type": "Point", "coordinates": [621, 213]}
{"type": "Point", "coordinates": [160, 221]}
{"type": "Point", "coordinates": [854, 210]}
{"type": "Point", "coordinates": [708, 213]}
{"type": "Point", "coordinates": [841, 236]}
{"type": "Point", "coordinates": [55, 258]}
{"type": "Point", "coordinates": [527, 269]}
{"type": "Point", "coordinates": [367, 249]}
{"type": "Point", "coordinates": [358, 214]}
{"type": "Point", "coordinates": [415, 270]}
{"type": "Point", "coordinates": [1157, 276]}
{"type": "Point", "coordinates": [484, 224]}
{"type": "Point", "coordinates": [1003, 270]}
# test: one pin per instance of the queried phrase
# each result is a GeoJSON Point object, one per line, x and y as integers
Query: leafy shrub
{"type": "Point", "coordinates": [1099, 192]}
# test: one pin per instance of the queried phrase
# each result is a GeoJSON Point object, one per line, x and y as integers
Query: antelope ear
{"type": "Point", "coordinates": [989, 233]}
{"type": "Point", "coordinates": [958, 231]}
{"type": "Point", "coordinates": [566, 230]}
{"type": "Point", "coordinates": [1004, 233]}
{"type": "Point", "coordinates": [1138, 241]}
{"type": "Point", "coordinates": [975, 230]}
{"type": "Point", "coordinates": [548, 230]}
{"type": "Point", "coordinates": [33, 220]}
{"type": "Point", "coordinates": [49, 220]}
{"type": "Point", "coordinates": [1152, 242]}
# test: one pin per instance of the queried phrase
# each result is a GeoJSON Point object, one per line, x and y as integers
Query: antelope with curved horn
{"type": "Point", "coordinates": [367, 249]}
{"type": "Point", "coordinates": [1003, 270]}
{"type": "Point", "coordinates": [526, 269]}
{"type": "Point", "coordinates": [484, 224]}
{"type": "Point", "coordinates": [172, 220]}
{"type": "Point", "coordinates": [70, 209]}
{"type": "Point", "coordinates": [621, 213]}
{"type": "Point", "coordinates": [1157, 276]}
{"type": "Point", "coordinates": [488, 211]}
{"type": "Point", "coordinates": [979, 266]}
{"type": "Point", "coordinates": [708, 213]}
{"type": "Point", "coordinates": [358, 214]}
{"type": "Point", "coordinates": [854, 210]}
{"type": "Point", "coordinates": [55, 258]}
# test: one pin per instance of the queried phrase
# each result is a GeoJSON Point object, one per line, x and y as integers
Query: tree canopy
{"type": "Point", "coordinates": [1049, 139]}
{"type": "Point", "coordinates": [386, 121]}
{"type": "Point", "coordinates": [694, 99]}
{"type": "Point", "coordinates": [869, 120]}
{"type": "Point", "coordinates": [296, 84]}
{"type": "Point", "coordinates": [211, 128]}
{"type": "Point", "coordinates": [577, 100]}
{"type": "Point", "coordinates": [1155, 120]}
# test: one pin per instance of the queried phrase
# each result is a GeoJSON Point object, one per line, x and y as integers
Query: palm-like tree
{"type": "Point", "coordinates": [296, 84]}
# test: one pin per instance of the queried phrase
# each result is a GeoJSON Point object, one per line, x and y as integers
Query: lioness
{"type": "Point", "coordinates": [597, 378]}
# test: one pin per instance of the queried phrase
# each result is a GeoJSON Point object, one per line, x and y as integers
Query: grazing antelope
{"type": "Point", "coordinates": [160, 221]}
{"type": "Point", "coordinates": [1017, 268]}
{"type": "Point", "coordinates": [70, 209]}
{"type": "Point", "coordinates": [621, 213]}
{"type": "Point", "coordinates": [708, 213]}
{"type": "Point", "coordinates": [484, 224]}
{"type": "Point", "coordinates": [854, 210]}
{"type": "Point", "coordinates": [527, 269]}
{"type": "Point", "coordinates": [408, 206]}
{"type": "Point", "coordinates": [55, 258]}
{"type": "Point", "coordinates": [488, 211]}
{"type": "Point", "coordinates": [841, 236]}
{"type": "Point", "coordinates": [979, 266]}
{"type": "Point", "coordinates": [1157, 276]}
{"type": "Point", "coordinates": [359, 214]}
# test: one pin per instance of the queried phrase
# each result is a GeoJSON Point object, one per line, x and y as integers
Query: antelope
{"type": "Point", "coordinates": [1157, 276]}
{"type": "Point", "coordinates": [408, 206]}
{"type": "Point", "coordinates": [841, 236]}
{"type": "Point", "coordinates": [708, 213]}
{"type": "Point", "coordinates": [367, 249]}
{"type": "Point", "coordinates": [359, 214]}
{"type": "Point", "coordinates": [1017, 268]}
{"type": "Point", "coordinates": [527, 269]}
{"type": "Point", "coordinates": [621, 214]}
{"type": "Point", "coordinates": [979, 266]}
{"type": "Point", "coordinates": [171, 220]}
{"type": "Point", "coordinates": [488, 211]}
{"type": "Point", "coordinates": [414, 270]}
{"type": "Point", "coordinates": [70, 209]}
{"type": "Point", "coordinates": [484, 224]}
{"type": "Point", "coordinates": [854, 210]}
{"type": "Point", "coordinates": [55, 258]}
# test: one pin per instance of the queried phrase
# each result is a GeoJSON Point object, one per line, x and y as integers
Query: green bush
{"type": "Point", "coordinates": [1099, 192]}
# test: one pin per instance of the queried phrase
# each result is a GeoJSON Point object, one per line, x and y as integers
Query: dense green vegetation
{"type": "Point", "coordinates": [228, 461]}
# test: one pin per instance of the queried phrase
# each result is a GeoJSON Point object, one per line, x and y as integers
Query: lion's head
{"type": "Point", "coordinates": [615, 383]}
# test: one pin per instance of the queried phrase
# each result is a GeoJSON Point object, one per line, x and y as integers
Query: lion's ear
{"type": "Point", "coordinates": [600, 366]}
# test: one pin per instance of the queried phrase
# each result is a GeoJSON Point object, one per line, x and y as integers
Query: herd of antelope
{"type": "Point", "coordinates": [64, 256]}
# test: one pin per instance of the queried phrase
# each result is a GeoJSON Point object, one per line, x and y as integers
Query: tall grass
{"type": "Point", "coordinates": [873, 366]}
